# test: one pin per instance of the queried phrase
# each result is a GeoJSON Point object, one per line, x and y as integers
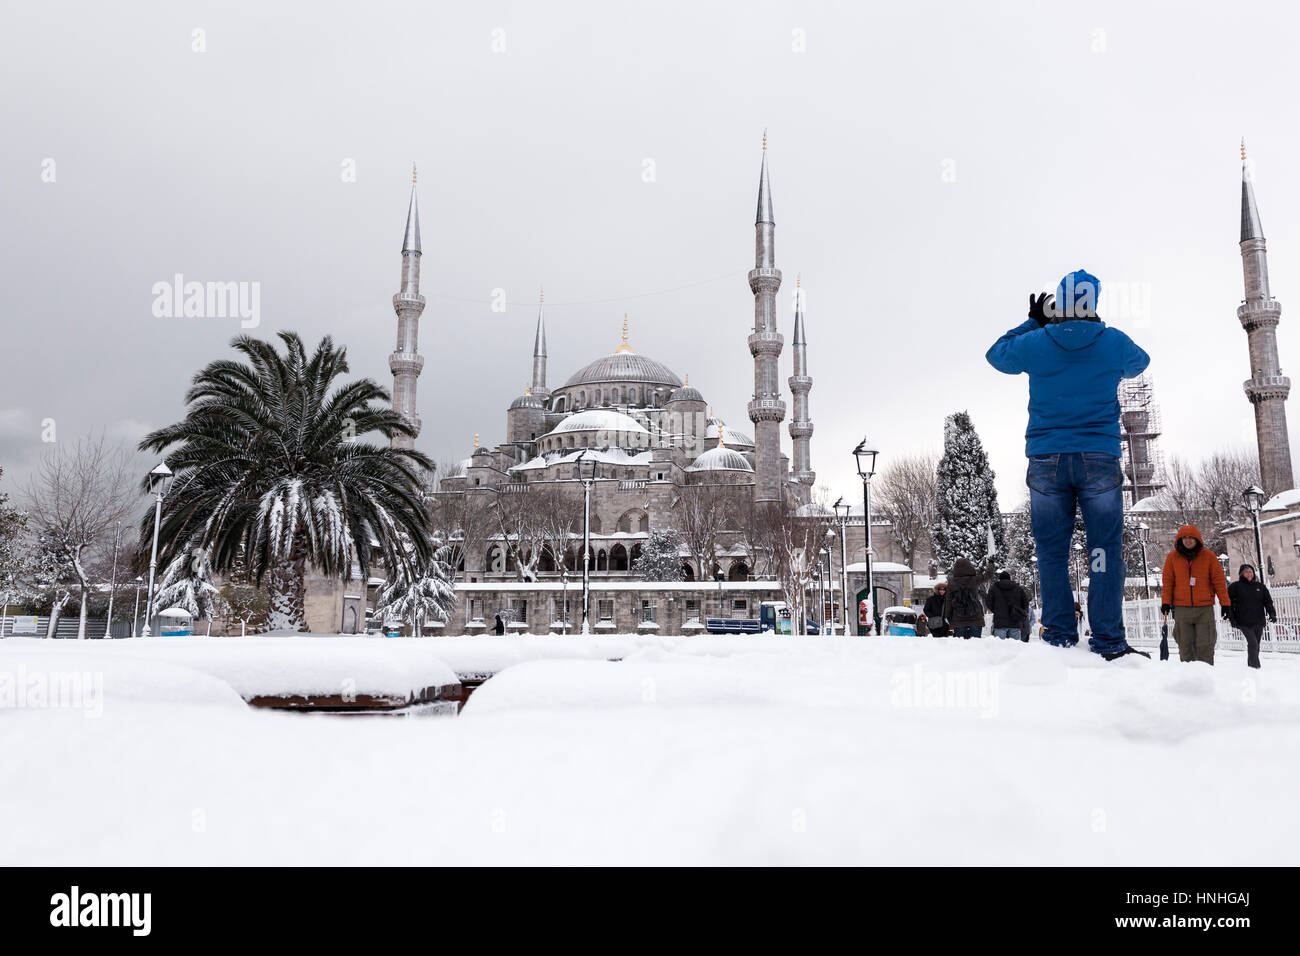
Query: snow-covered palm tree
{"type": "Point", "coordinates": [186, 582]}
{"type": "Point", "coordinates": [269, 471]}
{"type": "Point", "coordinates": [420, 592]}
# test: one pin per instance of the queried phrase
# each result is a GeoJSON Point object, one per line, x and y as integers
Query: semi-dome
{"type": "Point", "coordinates": [599, 420]}
{"type": "Point", "coordinates": [729, 435]}
{"type": "Point", "coordinates": [720, 459]}
{"type": "Point", "coordinates": [624, 367]}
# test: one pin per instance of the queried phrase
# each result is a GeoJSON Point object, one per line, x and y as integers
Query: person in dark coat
{"type": "Point", "coordinates": [1250, 602]}
{"type": "Point", "coordinates": [933, 611]}
{"type": "Point", "coordinates": [1010, 606]}
{"type": "Point", "coordinates": [962, 607]}
{"type": "Point", "coordinates": [500, 627]}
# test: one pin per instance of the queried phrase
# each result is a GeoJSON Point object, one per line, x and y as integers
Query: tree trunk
{"type": "Point", "coordinates": [81, 623]}
{"type": "Point", "coordinates": [287, 599]}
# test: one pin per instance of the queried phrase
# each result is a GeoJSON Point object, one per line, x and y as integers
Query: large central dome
{"type": "Point", "coordinates": [624, 367]}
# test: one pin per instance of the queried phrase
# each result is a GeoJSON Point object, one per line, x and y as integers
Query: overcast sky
{"type": "Point", "coordinates": [931, 164]}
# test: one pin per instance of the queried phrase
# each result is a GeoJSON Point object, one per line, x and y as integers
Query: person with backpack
{"type": "Point", "coordinates": [962, 607]}
{"type": "Point", "coordinates": [1010, 606]}
{"type": "Point", "coordinates": [933, 611]}
{"type": "Point", "coordinates": [1193, 577]}
{"type": "Point", "coordinates": [1250, 602]}
{"type": "Point", "coordinates": [1075, 363]}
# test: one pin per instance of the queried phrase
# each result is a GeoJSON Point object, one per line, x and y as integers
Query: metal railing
{"type": "Point", "coordinates": [1142, 621]}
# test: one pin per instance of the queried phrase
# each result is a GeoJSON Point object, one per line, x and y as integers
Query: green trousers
{"type": "Point", "coordinates": [1195, 632]}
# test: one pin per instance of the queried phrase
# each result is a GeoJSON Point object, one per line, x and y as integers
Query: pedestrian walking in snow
{"type": "Point", "coordinates": [1031, 622]}
{"type": "Point", "coordinates": [933, 611]}
{"type": "Point", "coordinates": [962, 607]}
{"type": "Point", "coordinates": [500, 627]}
{"type": "Point", "coordinates": [1250, 602]}
{"type": "Point", "coordinates": [1075, 363]}
{"type": "Point", "coordinates": [1009, 604]}
{"type": "Point", "coordinates": [1192, 579]}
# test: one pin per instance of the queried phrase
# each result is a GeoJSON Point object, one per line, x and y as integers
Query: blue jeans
{"type": "Point", "coordinates": [1007, 633]}
{"type": "Point", "coordinates": [968, 632]}
{"type": "Point", "coordinates": [1092, 481]}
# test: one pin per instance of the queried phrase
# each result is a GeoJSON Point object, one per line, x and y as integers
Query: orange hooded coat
{"type": "Point", "coordinates": [1204, 569]}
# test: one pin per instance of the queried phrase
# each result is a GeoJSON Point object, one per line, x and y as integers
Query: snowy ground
{"type": "Point", "coordinates": [688, 750]}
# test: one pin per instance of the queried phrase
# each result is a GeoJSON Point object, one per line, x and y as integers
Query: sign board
{"type": "Point", "coordinates": [24, 625]}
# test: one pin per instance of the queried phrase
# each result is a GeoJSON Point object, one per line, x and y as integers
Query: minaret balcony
{"type": "Point", "coordinates": [766, 410]}
{"type": "Point", "coordinates": [1261, 388]}
{"type": "Point", "coordinates": [801, 429]}
{"type": "Point", "coordinates": [406, 362]}
{"type": "Point", "coordinates": [800, 383]}
{"type": "Point", "coordinates": [766, 343]}
{"type": "Point", "coordinates": [1259, 313]}
{"type": "Point", "coordinates": [408, 300]}
{"type": "Point", "coordinates": [764, 280]}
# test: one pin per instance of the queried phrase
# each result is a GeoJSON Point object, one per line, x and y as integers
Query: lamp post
{"type": "Point", "coordinates": [865, 455]}
{"type": "Point", "coordinates": [160, 482]}
{"type": "Point", "coordinates": [586, 538]}
{"type": "Point", "coordinates": [819, 584]}
{"type": "Point", "coordinates": [564, 601]}
{"type": "Point", "coordinates": [828, 613]}
{"type": "Point", "coordinates": [1033, 560]}
{"type": "Point", "coordinates": [718, 574]}
{"type": "Point", "coordinates": [1254, 498]}
{"type": "Point", "coordinates": [1078, 576]}
{"type": "Point", "coordinates": [1224, 560]}
{"type": "Point", "coordinates": [135, 621]}
{"type": "Point", "coordinates": [112, 583]}
{"type": "Point", "coordinates": [842, 510]}
{"type": "Point", "coordinates": [1144, 535]}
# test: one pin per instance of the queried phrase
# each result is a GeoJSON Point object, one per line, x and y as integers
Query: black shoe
{"type": "Point", "coordinates": [1127, 650]}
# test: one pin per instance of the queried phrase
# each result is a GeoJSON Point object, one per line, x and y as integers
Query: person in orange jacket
{"type": "Point", "coordinates": [1192, 579]}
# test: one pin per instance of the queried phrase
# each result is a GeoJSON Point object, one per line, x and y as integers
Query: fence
{"type": "Point", "coordinates": [1142, 622]}
{"type": "Point", "coordinates": [67, 627]}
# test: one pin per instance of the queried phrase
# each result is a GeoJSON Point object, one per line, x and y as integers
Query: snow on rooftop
{"type": "Point", "coordinates": [1283, 500]}
{"type": "Point", "coordinates": [604, 456]}
{"type": "Point", "coordinates": [599, 420]}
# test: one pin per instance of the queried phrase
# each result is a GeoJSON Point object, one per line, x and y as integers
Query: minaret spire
{"type": "Point", "coordinates": [766, 409]}
{"type": "Point", "coordinates": [539, 351]}
{"type": "Point", "coordinates": [1267, 388]}
{"type": "Point", "coordinates": [406, 362]}
{"type": "Point", "coordinates": [801, 427]}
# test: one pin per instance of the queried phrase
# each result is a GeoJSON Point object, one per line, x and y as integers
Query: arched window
{"type": "Point", "coordinates": [618, 558]}
{"type": "Point", "coordinates": [582, 399]}
{"type": "Point", "coordinates": [739, 571]}
{"type": "Point", "coordinates": [688, 572]}
{"type": "Point", "coordinates": [602, 560]}
{"type": "Point", "coordinates": [634, 554]}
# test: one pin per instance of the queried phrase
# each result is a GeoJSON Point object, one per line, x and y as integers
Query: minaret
{"type": "Point", "coordinates": [406, 362]}
{"type": "Point", "coordinates": [538, 387]}
{"type": "Point", "coordinates": [1267, 388]}
{"type": "Point", "coordinates": [766, 410]}
{"type": "Point", "coordinates": [801, 426]}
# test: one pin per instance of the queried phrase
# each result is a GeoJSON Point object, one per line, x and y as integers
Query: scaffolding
{"type": "Point", "coordinates": [1140, 417]}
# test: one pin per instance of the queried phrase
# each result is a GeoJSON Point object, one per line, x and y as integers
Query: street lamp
{"type": "Point", "coordinates": [564, 601]}
{"type": "Point", "coordinates": [135, 621]}
{"type": "Point", "coordinates": [1033, 560]}
{"type": "Point", "coordinates": [842, 510]}
{"type": "Point", "coordinates": [865, 456]}
{"type": "Point", "coordinates": [828, 615]}
{"type": "Point", "coordinates": [820, 590]}
{"type": "Point", "coordinates": [1224, 560]}
{"type": "Point", "coordinates": [719, 575]}
{"type": "Point", "coordinates": [586, 537]}
{"type": "Point", "coordinates": [1254, 498]}
{"type": "Point", "coordinates": [160, 482]}
{"type": "Point", "coordinates": [1078, 575]}
{"type": "Point", "coordinates": [112, 583]}
{"type": "Point", "coordinates": [1144, 535]}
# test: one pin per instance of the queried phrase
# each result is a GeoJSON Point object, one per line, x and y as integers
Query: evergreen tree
{"type": "Point", "coordinates": [968, 501]}
{"type": "Point", "coordinates": [660, 558]}
{"type": "Point", "coordinates": [186, 582]}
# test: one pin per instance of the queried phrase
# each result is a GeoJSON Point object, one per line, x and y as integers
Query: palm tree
{"type": "Point", "coordinates": [421, 593]}
{"type": "Point", "coordinates": [269, 472]}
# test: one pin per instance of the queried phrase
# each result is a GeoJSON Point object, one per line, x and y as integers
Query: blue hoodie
{"type": "Point", "coordinates": [1074, 372]}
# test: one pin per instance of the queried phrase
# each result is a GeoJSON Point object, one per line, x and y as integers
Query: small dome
{"type": "Point", "coordinates": [599, 420]}
{"type": "Point", "coordinates": [731, 437]}
{"type": "Point", "coordinates": [720, 459]}
{"type": "Point", "coordinates": [1156, 502]}
{"type": "Point", "coordinates": [526, 401]}
{"type": "Point", "coordinates": [481, 451]}
{"type": "Point", "coordinates": [687, 393]}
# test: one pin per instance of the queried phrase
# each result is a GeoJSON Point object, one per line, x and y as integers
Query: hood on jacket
{"type": "Point", "coordinates": [1241, 572]}
{"type": "Point", "coordinates": [1004, 584]}
{"type": "Point", "coordinates": [963, 572]}
{"type": "Point", "coordinates": [1075, 334]}
{"type": "Point", "coordinates": [1189, 531]}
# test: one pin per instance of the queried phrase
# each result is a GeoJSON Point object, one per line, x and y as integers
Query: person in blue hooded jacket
{"type": "Point", "coordinates": [1075, 363]}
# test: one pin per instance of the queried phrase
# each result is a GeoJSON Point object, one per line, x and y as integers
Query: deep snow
{"type": "Point", "coordinates": [688, 750]}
